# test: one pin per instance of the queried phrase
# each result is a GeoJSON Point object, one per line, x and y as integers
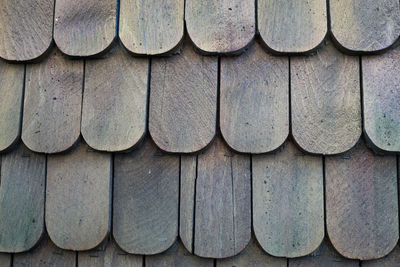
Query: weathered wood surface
{"type": "Point", "coordinates": [78, 198]}
{"type": "Point", "coordinates": [46, 254]}
{"type": "Point", "coordinates": [5, 259]}
{"type": "Point", "coordinates": [393, 259]}
{"type": "Point", "coordinates": [252, 256]}
{"type": "Point", "coordinates": [109, 255]}
{"type": "Point", "coordinates": [292, 26]}
{"type": "Point", "coordinates": [183, 101]}
{"type": "Point", "coordinates": [326, 108]}
{"type": "Point", "coordinates": [365, 25]}
{"type": "Point", "coordinates": [187, 189]}
{"type": "Point", "coordinates": [84, 27]}
{"type": "Point", "coordinates": [26, 28]}
{"type": "Point", "coordinates": [223, 202]}
{"type": "Point", "coordinates": [288, 202]}
{"type": "Point", "coordinates": [114, 108]}
{"type": "Point", "coordinates": [361, 203]}
{"type": "Point", "coordinates": [52, 107]}
{"type": "Point", "coordinates": [220, 26]}
{"type": "Point", "coordinates": [11, 89]}
{"type": "Point", "coordinates": [177, 256]}
{"type": "Point", "coordinates": [325, 256]}
{"type": "Point", "coordinates": [381, 99]}
{"type": "Point", "coordinates": [254, 99]}
{"type": "Point", "coordinates": [146, 200]}
{"type": "Point", "coordinates": [22, 193]}
{"type": "Point", "coordinates": [151, 27]}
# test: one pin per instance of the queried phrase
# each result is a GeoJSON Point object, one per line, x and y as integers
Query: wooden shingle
{"type": "Point", "coordinates": [292, 26]}
{"type": "Point", "coordinates": [84, 27]}
{"type": "Point", "coordinates": [114, 107]}
{"type": "Point", "coordinates": [25, 28]}
{"type": "Point", "coordinates": [393, 259]}
{"type": "Point", "coordinates": [220, 26]}
{"type": "Point", "coordinates": [254, 101]}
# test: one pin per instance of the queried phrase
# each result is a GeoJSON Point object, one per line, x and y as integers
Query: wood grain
{"type": "Point", "coordinates": [25, 28]}
{"type": "Point", "coordinates": [361, 203]}
{"type": "Point", "coordinates": [22, 193]}
{"type": "Point", "coordinates": [5, 259]}
{"type": "Point", "coordinates": [220, 26]}
{"type": "Point", "coordinates": [11, 91]}
{"type": "Point", "coordinates": [326, 109]}
{"type": "Point", "coordinates": [146, 200]}
{"type": "Point", "coordinates": [78, 198]}
{"type": "Point", "coordinates": [390, 260]}
{"type": "Point", "coordinates": [114, 108]}
{"type": "Point", "coordinates": [177, 256]}
{"type": "Point", "coordinates": [109, 255]}
{"type": "Point", "coordinates": [254, 101]}
{"type": "Point", "coordinates": [292, 26]}
{"type": "Point", "coordinates": [252, 256]}
{"type": "Point", "coordinates": [183, 101]}
{"type": "Point", "coordinates": [223, 202]}
{"type": "Point", "coordinates": [325, 255]}
{"type": "Point", "coordinates": [46, 254]}
{"type": "Point", "coordinates": [186, 208]}
{"type": "Point", "coordinates": [288, 202]}
{"type": "Point", "coordinates": [365, 25]}
{"type": "Point", "coordinates": [151, 27]}
{"type": "Point", "coordinates": [52, 106]}
{"type": "Point", "coordinates": [84, 27]}
{"type": "Point", "coordinates": [381, 94]}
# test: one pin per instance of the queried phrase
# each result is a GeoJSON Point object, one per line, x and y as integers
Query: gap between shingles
{"type": "Point", "coordinates": [194, 204]}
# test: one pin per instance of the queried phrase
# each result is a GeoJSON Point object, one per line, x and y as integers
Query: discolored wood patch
{"type": "Point", "coordinates": [146, 200]}
{"type": "Point", "coordinates": [365, 25]}
{"type": "Point", "coordinates": [52, 106]}
{"type": "Point", "coordinates": [288, 202]}
{"type": "Point", "coordinates": [390, 260]}
{"type": "Point", "coordinates": [11, 91]}
{"type": "Point", "coordinates": [325, 255]}
{"type": "Point", "coordinates": [220, 26]}
{"type": "Point", "coordinates": [361, 203]}
{"type": "Point", "coordinates": [252, 256]}
{"type": "Point", "coordinates": [223, 202]}
{"type": "Point", "coordinates": [292, 26]}
{"type": "Point", "coordinates": [254, 111]}
{"type": "Point", "coordinates": [78, 198]}
{"type": "Point", "coordinates": [22, 193]}
{"type": "Point", "coordinates": [115, 101]}
{"type": "Point", "coordinates": [151, 27]}
{"type": "Point", "coordinates": [109, 255]}
{"type": "Point", "coordinates": [381, 93]}
{"type": "Point", "coordinates": [177, 256]}
{"type": "Point", "coordinates": [326, 109]}
{"type": "Point", "coordinates": [84, 27]}
{"type": "Point", "coordinates": [25, 28]}
{"type": "Point", "coordinates": [183, 101]}
{"type": "Point", "coordinates": [46, 254]}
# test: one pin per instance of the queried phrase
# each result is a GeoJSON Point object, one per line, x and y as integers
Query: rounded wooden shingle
{"type": "Point", "coordinates": [22, 196]}
{"type": "Point", "coordinates": [151, 27]}
{"type": "Point", "coordinates": [84, 27]}
{"type": "Point", "coordinates": [114, 110]}
{"type": "Point", "coordinates": [183, 101]}
{"type": "Point", "coordinates": [26, 28]}
{"type": "Point", "coordinates": [292, 26]}
{"type": "Point", "coordinates": [288, 202]}
{"type": "Point", "coordinates": [362, 203]}
{"type": "Point", "coordinates": [78, 198]}
{"type": "Point", "coordinates": [220, 26]}
{"type": "Point", "coordinates": [52, 106]}
{"type": "Point", "coordinates": [363, 26]}
{"type": "Point", "coordinates": [11, 91]}
{"type": "Point", "coordinates": [254, 101]}
{"type": "Point", "coordinates": [325, 101]}
{"type": "Point", "coordinates": [146, 200]}
{"type": "Point", "coordinates": [381, 99]}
